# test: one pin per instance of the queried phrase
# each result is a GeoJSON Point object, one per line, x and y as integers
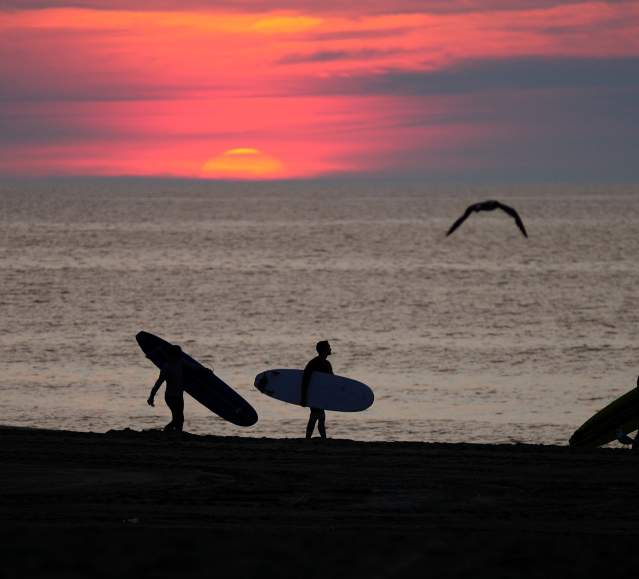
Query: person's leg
{"type": "Point", "coordinates": [178, 415]}
{"type": "Point", "coordinates": [176, 407]}
{"type": "Point", "coordinates": [321, 423]}
{"type": "Point", "coordinates": [312, 419]}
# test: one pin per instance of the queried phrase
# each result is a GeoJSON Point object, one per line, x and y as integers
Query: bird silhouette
{"type": "Point", "coordinates": [488, 206]}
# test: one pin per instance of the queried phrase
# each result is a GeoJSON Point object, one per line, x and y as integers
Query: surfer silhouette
{"type": "Point", "coordinates": [624, 438]}
{"type": "Point", "coordinates": [317, 364]}
{"type": "Point", "coordinates": [174, 393]}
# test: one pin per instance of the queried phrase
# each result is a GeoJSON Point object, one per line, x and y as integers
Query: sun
{"type": "Point", "coordinates": [243, 162]}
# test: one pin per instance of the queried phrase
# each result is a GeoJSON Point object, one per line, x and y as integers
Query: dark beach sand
{"type": "Point", "coordinates": [126, 504]}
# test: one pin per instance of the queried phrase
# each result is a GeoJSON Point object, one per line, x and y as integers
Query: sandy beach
{"type": "Point", "coordinates": [143, 503]}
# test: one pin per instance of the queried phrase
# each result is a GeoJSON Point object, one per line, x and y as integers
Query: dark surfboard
{"type": "Point", "coordinates": [201, 383]}
{"type": "Point", "coordinates": [622, 413]}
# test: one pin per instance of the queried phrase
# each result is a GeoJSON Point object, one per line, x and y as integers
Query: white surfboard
{"type": "Point", "coordinates": [325, 391]}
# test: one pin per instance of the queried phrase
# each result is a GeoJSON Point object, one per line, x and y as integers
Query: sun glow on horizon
{"type": "Point", "coordinates": [243, 162]}
{"type": "Point", "coordinates": [145, 88]}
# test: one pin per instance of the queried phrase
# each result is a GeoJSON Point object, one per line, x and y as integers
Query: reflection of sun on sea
{"type": "Point", "coordinates": [243, 163]}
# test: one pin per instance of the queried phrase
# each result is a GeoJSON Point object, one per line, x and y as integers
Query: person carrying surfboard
{"type": "Point", "coordinates": [174, 393]}
{"type": "Point", "coordinates": [624, 438]}
{"type": "Point", "coordinates": [317, 364]}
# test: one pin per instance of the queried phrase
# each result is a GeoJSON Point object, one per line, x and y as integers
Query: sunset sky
{"type": "Point", "coordinates": [263, 89]}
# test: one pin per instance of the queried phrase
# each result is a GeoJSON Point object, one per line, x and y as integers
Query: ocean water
{"type": "Point", "coordinates": [484, 336]}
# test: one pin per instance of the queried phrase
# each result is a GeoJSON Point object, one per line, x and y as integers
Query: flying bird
{"type": "Point", "coordinates": [488, 206]}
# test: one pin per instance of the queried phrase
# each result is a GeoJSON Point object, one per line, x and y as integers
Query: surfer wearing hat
{"type": "Point", "coordinates": [174, 393]}
{"type": "Point", "coordinates": [317, 364]}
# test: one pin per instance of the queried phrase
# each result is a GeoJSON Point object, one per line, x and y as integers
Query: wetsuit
{"type": "Point", "coordinates": [317, 364]}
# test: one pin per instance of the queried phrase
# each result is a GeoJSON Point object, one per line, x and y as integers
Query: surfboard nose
{"type": "Point", "coordinates": [252, 419]}
{"type": "Point", "coordinates": [371, 399]}
{"type": "Point", "coordinates": [261, 380]}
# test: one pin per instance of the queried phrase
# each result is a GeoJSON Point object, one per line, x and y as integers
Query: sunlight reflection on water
{"type": "Point", "coordinates": [484, 336]}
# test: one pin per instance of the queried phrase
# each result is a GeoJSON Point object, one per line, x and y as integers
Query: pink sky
{"type": "Point", "coordinates": [262, 89]}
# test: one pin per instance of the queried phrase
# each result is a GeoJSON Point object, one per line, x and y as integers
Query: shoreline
{"type": "Point", "coordinates": [424, 431]}
{"type": "Point", "coordinates": [290, 507]}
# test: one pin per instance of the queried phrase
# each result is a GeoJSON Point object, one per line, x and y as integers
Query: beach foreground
{"type": "Point", "coordinates": [129, 503]}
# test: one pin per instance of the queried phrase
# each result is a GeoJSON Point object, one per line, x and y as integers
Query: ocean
{"type": "Point", "coordinates": [483, 336]}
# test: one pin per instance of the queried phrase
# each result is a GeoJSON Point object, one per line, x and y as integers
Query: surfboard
{"type": "Point", "coordinates": [201, 383]}
{"type": "Point", "coordinates": [622, 413]}
{"type": "Point", "coordinates": [325, 391]}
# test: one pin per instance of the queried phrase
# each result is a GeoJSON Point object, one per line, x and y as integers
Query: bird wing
{"type": "Point", "coordinates": [459, 221]}
{"type": "Point", "coordinates": [515, 216]}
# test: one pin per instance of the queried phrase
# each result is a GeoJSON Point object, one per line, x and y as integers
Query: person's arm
{"type": "Point", "coordinates": [156, 386]}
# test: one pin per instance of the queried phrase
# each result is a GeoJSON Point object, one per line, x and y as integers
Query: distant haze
{"type": "Point", "coordinates": [258, 89]}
